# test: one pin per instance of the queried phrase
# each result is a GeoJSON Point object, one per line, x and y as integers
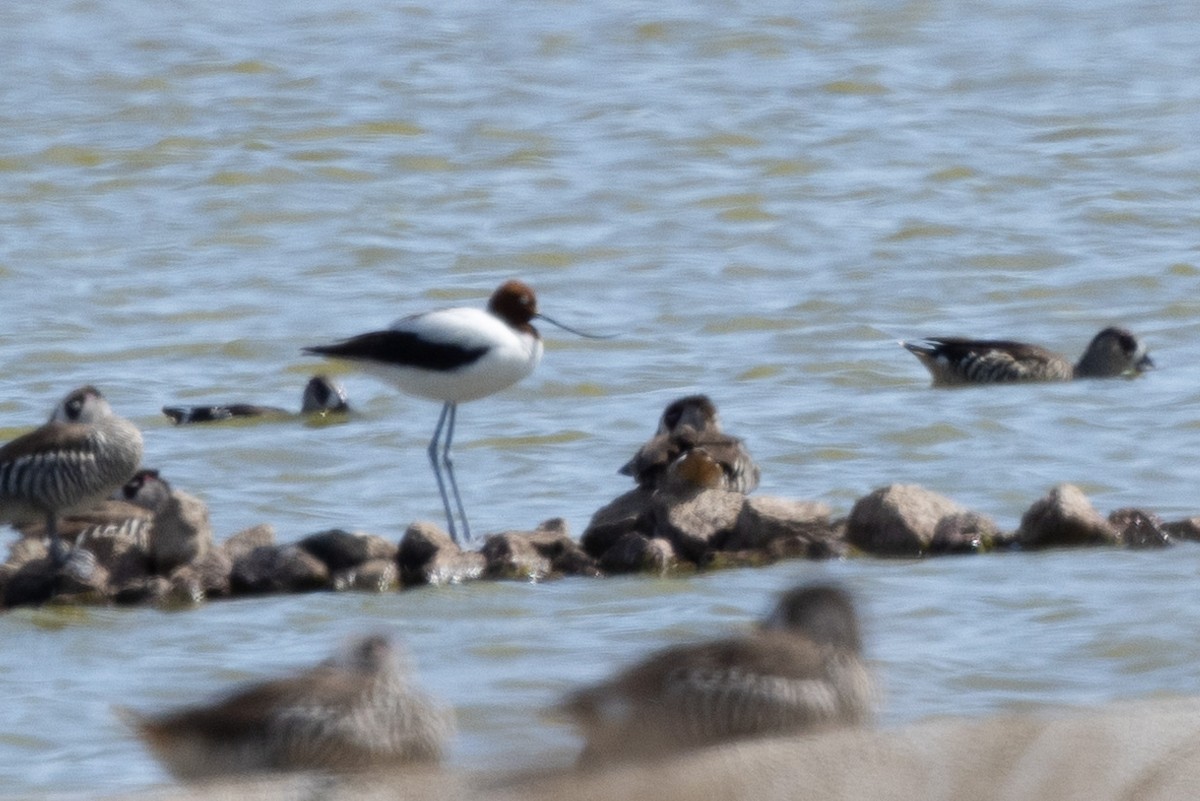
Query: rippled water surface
{"type": "Point", "coordinates": [759, 198]}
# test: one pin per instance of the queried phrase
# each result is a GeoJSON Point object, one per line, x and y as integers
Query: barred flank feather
{"type": "Point", "coordinates": [357, 710]}
{"type": "Point", "coordinates": [957, 360]}
{"type": "Point", "coordinates": [801, 668]}
{"type": "Point", "coordinates": [80, 455]}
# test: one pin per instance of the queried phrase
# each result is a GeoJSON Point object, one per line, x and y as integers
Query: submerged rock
{"type": "Point", "coordinates": [278, 569]}
{"type": "Point", "coordinates": [1065, 517]}
{"type": "Point", "coordinates": [428, 555]}
{"type": "Point", "coordinates": [698, 522]}
{"type": "Point", "coordinates": [966, 532]}
{"type": "Point", "coordinates": [341, 550]}
{"type": "Point", "coordinates": [903, 519]}
{"type": "Point", "coordinates": [546, 551]}
{"type": "Point", "coordinates": [637, 553]}
{"type": "Point", "coordinates": [623, 515]}
{"type": "Point", "coordinates": [373, 575]}
{"type": "Point", "coordinates": [247, 540]}
{"type": "Point", "coordinates": [1187, 529]}
{"type": "Point", "coordinates": [785, 527]}
{"type": "Point", "coordinates": [1137, 528]}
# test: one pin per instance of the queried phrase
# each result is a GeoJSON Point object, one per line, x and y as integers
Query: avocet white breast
{"type": "Point", "coordinates": [453, 356]}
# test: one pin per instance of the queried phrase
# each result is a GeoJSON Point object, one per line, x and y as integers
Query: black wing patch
{"type": "Point", "coordinates": [403, 349]}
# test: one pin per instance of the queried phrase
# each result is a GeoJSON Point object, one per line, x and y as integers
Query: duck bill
{"type": "Point", "coordinates": [1145, 363]}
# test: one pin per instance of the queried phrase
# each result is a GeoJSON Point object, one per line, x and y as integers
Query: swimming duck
{"type": "Point", "coordinates": [322, 395]}
{"type": "Point", "coordinates": [957, 360]}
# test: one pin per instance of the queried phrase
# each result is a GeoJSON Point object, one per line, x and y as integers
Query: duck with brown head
{"type": "Point", "coordinates": [689, 423]}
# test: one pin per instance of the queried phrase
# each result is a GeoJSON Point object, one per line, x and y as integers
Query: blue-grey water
{"type": "Point", "coordinates": [760, 199]}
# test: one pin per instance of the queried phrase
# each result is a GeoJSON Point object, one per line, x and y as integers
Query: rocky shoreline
{"type": "Point", "coordinates": [125, 554]}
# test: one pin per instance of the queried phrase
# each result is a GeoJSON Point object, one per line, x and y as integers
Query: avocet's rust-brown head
{"type": "Point", "coordinates": [516, 304]}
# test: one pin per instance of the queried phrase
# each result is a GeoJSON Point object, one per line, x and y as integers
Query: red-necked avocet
{"type": "Point", "coordinates": [453, 356]}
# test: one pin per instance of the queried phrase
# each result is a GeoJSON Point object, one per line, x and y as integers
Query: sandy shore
{"type": "Point", "coordinates": [1142, 750]}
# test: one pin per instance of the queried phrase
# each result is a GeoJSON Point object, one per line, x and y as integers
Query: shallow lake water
{"type": "Point", "coordinates": [758, 199]}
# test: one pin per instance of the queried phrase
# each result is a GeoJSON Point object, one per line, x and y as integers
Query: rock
{"type": "Point", "coordinates": [33, 582]}
{"type": "Point", "coordinates": [548, 550]}
{"type": "Point", "coordinates": [833, 545]}
{"type": "Point", "coordinates": [341, 550]}
{"type": "Point", "coordinates": [83, 579]}
{"type": "Point", "coordinates": [635, 553]}
{"type": "Point", "coordinates": [1188, 529]}
{"type": "Point", "coordinates": [373, 575]}
{"type": "Point", "coordinates": [1065, 517]}
{"type": "Point", "coordinates": [247, 540]}
{"type": "Point", "coordinates": [181, 532]}
{"type": "Point", "coordinates": [428, 555]}
{"type": "Point", "coordinates": [122, 550]}
{"type": "Point", "coordinates": [764, 519]}
{"type": "Point", "coordinates": [147, 589]}
{"type": "Point", "coordinates": [898, 520]}
{"type": "Point", "coordinates": [1140, 529]}
{"type": "Point", "coordinates": [623, 515]}
{"type": "Point", "coordinates": [207, 577]}
{"type": "Point", "coordinates": [696, 522]}
{"type": "Point", "coordinates": [278, 568]}
{"type": "Point", "coordinates": [186, 586]}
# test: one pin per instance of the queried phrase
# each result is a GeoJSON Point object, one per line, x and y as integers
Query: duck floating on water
{"type": "Point", "coordinates": [958, 360]}
{"type": "Point", "coordinates": [322, 395]}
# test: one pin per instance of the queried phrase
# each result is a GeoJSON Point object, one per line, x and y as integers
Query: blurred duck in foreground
{"type": "Point", "coordinates": [800, 669]}
{"type": "Point", "coordinates": [322, 395]}
{"type": "Point", "coordinates": [956, 360]}
{"type": "Point", "coordinates": [355, 711]}
{"type": "Point", "coordinates": [691, 423]}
